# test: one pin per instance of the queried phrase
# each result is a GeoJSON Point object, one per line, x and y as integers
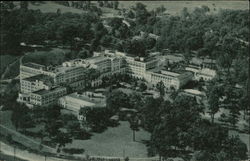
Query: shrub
{"type": "Point", "coordinates": [73, 151]}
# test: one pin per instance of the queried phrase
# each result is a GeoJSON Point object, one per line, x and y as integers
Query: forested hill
{"type": "Point", "coordinates": [223, 36]}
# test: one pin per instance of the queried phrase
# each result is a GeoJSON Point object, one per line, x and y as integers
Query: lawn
{"type": "Point", "coordinates": [5, 119]}
{"type": "Point", "coordinates": [54, 56]}
{"type": "Point", "coordinates": [115, 142]}
{"type": "Point", "coordinates": [175, 7]}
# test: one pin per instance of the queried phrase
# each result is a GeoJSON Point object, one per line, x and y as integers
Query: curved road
{"type": "Point", "coordinates": [24, 154]}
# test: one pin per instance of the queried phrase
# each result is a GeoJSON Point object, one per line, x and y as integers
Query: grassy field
{"type": "Point", "coordinates": [5, 119]}
{"type": "Point", "coordinates": [115, 142]}
{"type": "Point", "coordinates": [175, 7]}
{"type": "Point", "coordinates": [54, 56]}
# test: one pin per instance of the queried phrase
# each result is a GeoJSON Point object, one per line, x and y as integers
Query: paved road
{"type": "Point", "coordinates": [24, 139]}
{"type": "Point", "coordinates": [24, 154]}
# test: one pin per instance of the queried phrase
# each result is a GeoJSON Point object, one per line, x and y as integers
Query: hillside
{"type": "Point", "coordinates": [173, 7]}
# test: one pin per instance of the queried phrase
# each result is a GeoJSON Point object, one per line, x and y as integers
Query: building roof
{"type": "Point", "coordinates": [63, 69]}
{"type": "Point", "coordinates": [210, 61]}
{"type": "Point", "coordinates": [169, 73]}
{"type": "Point", "coordinates": [41, 77]}
{"type": "Point", "coordinates": [98, 101]}
{"type": "Point", "coordinates": [175, 58]}
{"type": "Point", "coordinates": [208, 72]}
{"type": "Point", "coordinates": [140, 59]}
{"type": "Point", "coordinates": [196, 61]}
{"type": "Point", "coordinates": [179, 75]}
{"type": "Point", "coordinates": [34, 65]}
{"type": "Point", "coordinates": [193, 91]}
{"type": "Point", "coordinates": [45, 91]}
{"type": "Point", "coordinates": [96, 59]}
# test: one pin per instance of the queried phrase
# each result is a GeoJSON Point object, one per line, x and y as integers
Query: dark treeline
{"type": "Point", "coordinates": [35, 27]}
{"type": "Point", "coordinates": [208, 34]}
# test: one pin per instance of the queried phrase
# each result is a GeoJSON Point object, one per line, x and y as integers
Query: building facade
{"type": "Point", "coordinates": [35, 83]}
{"type": "Point", "coordinates": [46, 97]}
{"type": "Point", "coordinates": [204, 74]}
{"type": "Point", "coordinates": [171, 79]}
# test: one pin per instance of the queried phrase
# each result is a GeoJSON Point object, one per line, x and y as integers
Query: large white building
{"type": "Point", "coordinates": [205, 74]}
{"type": "Point", "coordinates": [76, 101]}
{"type": "Point", "coordinates": [35, 77]}
{"type": "Point", "coordinates": [35, 83]}
{"type": "Point", "coordinates": [170, 79]}
{"type": "Point", "coordinates": [46, 97]}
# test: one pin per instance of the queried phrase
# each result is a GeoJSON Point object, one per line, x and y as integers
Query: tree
{"type": "Point", "coordinates": [207, 137]}
{"type": "Point", "coordinates": [130, 14]}
{"type": "Point", "coordinates": [177, 119]}
{"type": "Point", "coordinates": [138, 48]}
{"type": "Point", "coordinates": [58, 11]}
{"type": "Point", "coordinates": [136, 101]}
{"type": "Point", "coordinates": [185, 13]}
{"type": "Point", "coordinates": [214, 94]}
{"type": "Point", "coordinates": [143, 86]}
{"type": "Point", "coordinates": [62, 139]}
{"type": "Point", "coordinates": [21, 117]}
{"type": "Point", "coordinates": [141, 13]}
{"type": "Point", "coordinates": [24, 5]}
{"type": "Point", "coordinates": [151, 113]}
{"type": "Point", "coordinates": [83, 54]}
{"type": "Point", "coordinates": [203, 156]}
{"type": "Point", "coordinates": [161, 88]}
{"type": "Point", "coordinates": [116, 100]}
{"type": "Point", "coordinates": [116, 4]}
{"type": "Point", "coordinates": [160, 10]}
{"type": "Point", "coordinates": [225, 61]}
{"type": "Point", "coordinates": [235, 149]}
{"type": "Point", "coordinates": [36, 34]}
{"type": "Point", "coordinates": [134, 125]}
{"type": "Point", "coordinates": [100, 3]}
{"type": "Point", "coordinates": [106, 3]}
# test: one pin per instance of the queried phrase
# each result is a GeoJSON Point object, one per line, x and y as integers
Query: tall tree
{"type": "Point", "coordinates": [24, 5]}
{"type": "Point", "coordinates": [161, 88]}
{"type": "Point", "coordinates": [214, 93]}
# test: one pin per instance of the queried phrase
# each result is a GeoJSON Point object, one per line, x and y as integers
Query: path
{"type": "Point", "coordinates": [7, 69]}
{"type": "Point", "coordinates": [24, 154]}
{"type": "Point", "coordinates": [28, 142]}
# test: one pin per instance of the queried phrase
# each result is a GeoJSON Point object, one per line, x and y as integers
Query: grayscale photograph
{"type": "Point", "coordinates": [124, 80]}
